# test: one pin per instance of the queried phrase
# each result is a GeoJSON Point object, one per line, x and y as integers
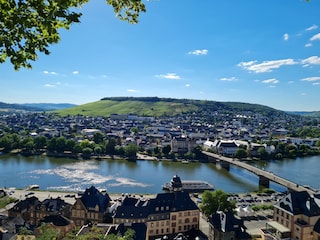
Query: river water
{"type": "Point", "coordinates": [121, 176]}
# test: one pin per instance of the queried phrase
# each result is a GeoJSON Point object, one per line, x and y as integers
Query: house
{"type": "Point", "coordinates": [227, 147]}
{"type": "Point", "coordinates": [22, 208]}
{"type": "Point", "coordinates": [132, 210]}
{"type": "Point", "coordinates": [172, 213]}
{"type": "Point", "coordinates": [92, 206]}
{"type": "Point", "coordinates": [297, 215]}
{"type": "Point", "coordinates": [225, 226]}
{"type": "Point", "coordinates": [165, 215]}
{"type": "Point", "coordinates": [182, 144]}
{"type": "Point", "coordinates": [48, 207]}
{"type": "Point", "coordinates": [58, 222]}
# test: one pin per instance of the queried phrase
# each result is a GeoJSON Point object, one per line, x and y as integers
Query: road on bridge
{"type": "Point", "coordinates": [259, 172]}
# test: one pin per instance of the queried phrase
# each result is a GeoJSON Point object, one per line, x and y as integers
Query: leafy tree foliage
{"type": "Point", "coordinates": [131, 151]}
{"type": "Point", "coordinates": [29, 27]}
{"type": "Point", "coordinates": [240, 153]}
{"type": "Point", "coordinates": [166, 150]}
{"type": "Point", "coordinates": [214, 201]}
{"type": "Point", "coordinates": [98, 137]}
{"type": "Point", "coordinates": [263, 154]}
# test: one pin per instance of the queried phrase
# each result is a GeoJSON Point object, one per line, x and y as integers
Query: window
{"type": "Point", "coordinates": [174, 217]}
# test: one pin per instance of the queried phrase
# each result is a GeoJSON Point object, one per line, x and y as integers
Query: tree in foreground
{"type": "Point", "coordinates": [29, 27]}
{"type": "Point", "coordinates": [215, 201]}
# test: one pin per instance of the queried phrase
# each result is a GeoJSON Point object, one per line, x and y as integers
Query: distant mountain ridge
{"type": "Point", "coordinates": [35, 106]}
{"type": "Point", "coordinates": [306, 114]}
{"type": "Point", "coordinates": [50, 106]}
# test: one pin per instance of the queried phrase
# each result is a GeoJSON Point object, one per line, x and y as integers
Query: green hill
{"type": "Point", "coordinates": [154, 106]}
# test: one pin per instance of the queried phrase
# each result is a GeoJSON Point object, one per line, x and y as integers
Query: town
{"type": "Point", "coordinates": [170, 215]}
{"type": "Point", "coordinates": [249, 134]}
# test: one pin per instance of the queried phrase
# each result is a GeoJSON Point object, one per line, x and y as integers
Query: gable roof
{"type": "Point", "coordinates": [300, 203]}
{"type": "Point", "coordinates": [92, 197]}
{"type": "Point", "coordinates": [133, 208]}
{"type": "Point", "coordinates": [25, 204]}
{"type": "Point", "coordinates": [316, 227]}
{"type": "Point", "coordinates": [227, 222]}
{"type": "Point", "coordinates": [173, 202]}
{"type": "Point", "coordinates": [56, 220]}
{"type": "Point", "coordinates": [54, 205]}
{"type": "Point", "coordinates": [140, 230]}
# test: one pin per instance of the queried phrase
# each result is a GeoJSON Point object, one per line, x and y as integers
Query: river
{"type": "Point", "coordinates": [121, 176]}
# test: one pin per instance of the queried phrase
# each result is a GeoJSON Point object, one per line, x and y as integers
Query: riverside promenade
{"type": "Point", "coordinates": [264, 176]}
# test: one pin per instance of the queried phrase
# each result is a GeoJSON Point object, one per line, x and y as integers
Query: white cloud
{"type": "Point", "coordinates": [49, 73]}
{"type": "Point", "coordinates": [229, 79]}
{"type": "Point", "coordinates": [271, 80]}
{"type": "Point", "coordinates": [266, 66]}
{"type": "Point", "coordinates": [75, 72]}
{"type": "Point", "coordinates": [312, 27]}
{"type": "Point", "coordinates": [199, 52]}
{"type": "Point", "coordinates": [315, 37]}
{"type": "Point", "coordinates": [132, 90]}
{"type": "Point", "coordinates": [303, 94]}
{"type": "Point", "coordinates": [316, 83]}
{"type": "Point", "coordinates": [187, 85]}
{"type": "Point", "coordinates": [169, 76]}
{"type": "Point", "coordinates": [308, 45]}
{"type": "Point", "coordinates": [314, 60]}
{"type": "Point", "coordinates": [291, 82]}
{"type": "Point", "coordinates": [49, 85]}
{"type": "Point", "coordinates": [311, 79]}
{"type": "Point", "coordinates": [286, 36]}
{"type": "Point", "coordinates": [272, 86]}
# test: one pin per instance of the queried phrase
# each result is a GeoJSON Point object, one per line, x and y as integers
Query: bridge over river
{"type": "Point", "coordinates": [264, 176]}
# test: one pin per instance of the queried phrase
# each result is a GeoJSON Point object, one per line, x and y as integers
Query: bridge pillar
{"type": "Point", "coordinates": [263, 182]}
{"type": "Point", "coordinates": [224, 165]}
{"type": "Point", "coordinates": [212, 159]}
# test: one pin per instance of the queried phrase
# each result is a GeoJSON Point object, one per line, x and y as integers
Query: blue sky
{"type": "Point", "coordinates": [265, 52]}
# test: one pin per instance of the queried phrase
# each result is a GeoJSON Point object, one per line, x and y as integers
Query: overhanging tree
{"type": "Point", "coordinates": [214, 201]}
{"type": "Point", "coordinates": [29, 27]}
